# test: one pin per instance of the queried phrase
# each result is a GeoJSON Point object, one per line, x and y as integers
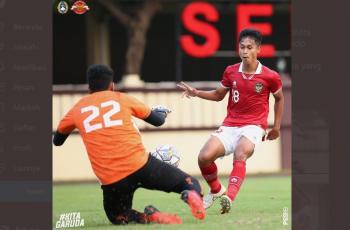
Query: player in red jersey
{"type": "Point", "coordinates": [117, 155]}
{"type": "Point", "coordinates": [249, 84]}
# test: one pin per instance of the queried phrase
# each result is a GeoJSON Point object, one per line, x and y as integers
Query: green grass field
{"type": "Point", "coordinates": [259, 205]}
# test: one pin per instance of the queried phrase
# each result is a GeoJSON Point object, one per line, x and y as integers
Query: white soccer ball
{"type": "Point", "coordinates": [167, 154]}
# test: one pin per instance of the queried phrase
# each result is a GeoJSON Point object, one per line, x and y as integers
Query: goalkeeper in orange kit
{"type": "Point", "coordinates": [117, 155]}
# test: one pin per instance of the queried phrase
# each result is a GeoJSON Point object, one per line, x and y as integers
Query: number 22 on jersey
{"type": "Point", "coordinates": [95, 112]}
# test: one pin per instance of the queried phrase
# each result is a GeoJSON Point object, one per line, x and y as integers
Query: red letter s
{"type": "Point", "coordinates": [206, 30]}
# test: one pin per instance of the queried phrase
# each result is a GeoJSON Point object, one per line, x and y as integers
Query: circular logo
{"type": "Point", "coordinates": [80, 7]}
{"type": "Point", "coordinates": [62, 7]}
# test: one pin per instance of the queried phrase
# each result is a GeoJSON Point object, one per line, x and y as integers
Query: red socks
{"type": "Point", "coordinates": [236, 178]}
{"type": "Point", "coordinates": [210, 174]}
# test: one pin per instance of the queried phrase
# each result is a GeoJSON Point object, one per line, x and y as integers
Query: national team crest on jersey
{"type": "Point", "coordinates": [259, 87]}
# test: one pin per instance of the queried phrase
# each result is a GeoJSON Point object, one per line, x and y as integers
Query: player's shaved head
{"type": "Point", "coordinates": [251, 33]}
{"type": "Point", "coordinates": [99, 77]}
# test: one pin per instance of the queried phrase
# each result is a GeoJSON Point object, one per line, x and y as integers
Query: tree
{"type": "Point", "coordinates": [137, 27]}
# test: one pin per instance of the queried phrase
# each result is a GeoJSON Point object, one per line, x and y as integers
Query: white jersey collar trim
{"type": "Point", "coordinates": [257, 71]}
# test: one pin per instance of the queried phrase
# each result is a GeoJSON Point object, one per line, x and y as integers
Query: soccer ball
{"type": "Point", "coordinates": [167, 154]}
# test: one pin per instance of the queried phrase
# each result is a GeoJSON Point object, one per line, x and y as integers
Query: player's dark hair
{"type": "Point", "coordinates": [252, 33]}
{"type": "Point", "coordinates": [99, 77]}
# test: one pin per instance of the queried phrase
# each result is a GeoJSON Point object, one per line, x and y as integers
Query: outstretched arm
{"type": "Point", "coordinates": [278, 109]}
{"type": "Point", "coordinates": [213, 95]}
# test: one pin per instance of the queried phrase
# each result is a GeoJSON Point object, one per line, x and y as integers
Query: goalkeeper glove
{"type": "Point", "coordinates": [161, 109]}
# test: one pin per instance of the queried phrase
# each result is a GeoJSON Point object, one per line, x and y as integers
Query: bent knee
{"type": "Point", "coordinates": [243, 154]}
{"type": "Point", "coordinates": [211, 151]}
{"type": "Point", "coordinates": [193, 184]}
{"type": "Point", "coordinates": [120, 219]}
{"type": "Point", "coordinates": [207, 157]}
{"type": "Point", "coordinates": [241, 157]}
{"type": "Point", "coordinates": [204, 158]}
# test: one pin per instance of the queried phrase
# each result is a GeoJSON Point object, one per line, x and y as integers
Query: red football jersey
{"type": "Point", "coordinates": [248, 103]}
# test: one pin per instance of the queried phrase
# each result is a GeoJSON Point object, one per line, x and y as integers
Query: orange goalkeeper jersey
{"type": "Point", "coordinates": [113, 143]}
